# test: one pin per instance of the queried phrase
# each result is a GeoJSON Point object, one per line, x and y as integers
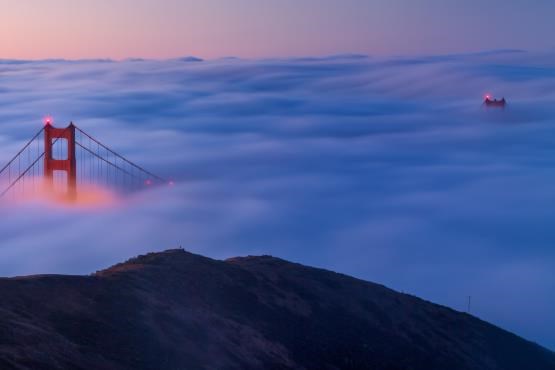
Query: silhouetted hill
{"type": "Point", "coordinates": [176, 310]}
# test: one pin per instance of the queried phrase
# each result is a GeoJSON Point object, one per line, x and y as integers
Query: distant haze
{"type": "Point", "coordinates": [35, 29]}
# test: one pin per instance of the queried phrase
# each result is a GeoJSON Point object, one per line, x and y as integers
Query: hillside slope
{"type": "Point", "coordinates": [176, 310]}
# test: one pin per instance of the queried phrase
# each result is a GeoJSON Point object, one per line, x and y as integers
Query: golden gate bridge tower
{"type": "Point", "coordinates": [68, 165]}
{"type": "Point", "coordinates": [60, 161]}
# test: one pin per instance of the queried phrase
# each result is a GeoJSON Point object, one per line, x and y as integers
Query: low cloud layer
{"type": "Point", "coordinates": [386, 169]}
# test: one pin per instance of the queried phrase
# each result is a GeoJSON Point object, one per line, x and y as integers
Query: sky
{"type": "Point", "coordinates": [385, 166]}
{"type": "Point", "coordinates": [74, 29]}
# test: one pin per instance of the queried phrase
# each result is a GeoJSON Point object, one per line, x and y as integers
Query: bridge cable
{"type": "Point", "coordinates": [105, 160]}
{"type": "Point", "coordinates": [21, 151]}
{"type": "Point", "coordinates": [121, 157]}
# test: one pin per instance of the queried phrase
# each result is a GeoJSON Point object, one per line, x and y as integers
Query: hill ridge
{"type": "Point", "coordinates": [175, 309]}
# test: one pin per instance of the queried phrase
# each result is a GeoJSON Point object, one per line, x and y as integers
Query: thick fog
{"type": "Point", "coordinates": [388, 169]}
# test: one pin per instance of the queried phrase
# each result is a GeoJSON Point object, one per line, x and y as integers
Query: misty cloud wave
{"type": "Point", "coordinates": [385, 168]}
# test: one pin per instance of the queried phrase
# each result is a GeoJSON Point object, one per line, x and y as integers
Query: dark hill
{"type": "Point", "coordinates": [176, 310]}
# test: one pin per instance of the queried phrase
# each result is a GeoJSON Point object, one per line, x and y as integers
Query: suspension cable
{"type": "Point", "coordinates": [121, 157]}
{"type": "Point", "coordinates": [21, 175]}
{"type": "Point", "coordinates": [105, 160]}
{"type": "Point", "coordinates": [21, 151]}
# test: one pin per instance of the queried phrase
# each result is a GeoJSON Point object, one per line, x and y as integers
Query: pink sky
{"type": "Point", "coordinates": [258, 28]}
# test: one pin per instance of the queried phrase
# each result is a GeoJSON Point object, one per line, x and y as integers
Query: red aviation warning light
{"type": "Point", "coordinates": [48, 120]}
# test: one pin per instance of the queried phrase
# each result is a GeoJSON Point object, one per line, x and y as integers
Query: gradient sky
{"type": "Point", "coordinates": [35, 29]}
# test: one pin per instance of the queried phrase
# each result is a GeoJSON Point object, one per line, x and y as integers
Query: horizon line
{"type": "Point", "coordinates": [196, 58]}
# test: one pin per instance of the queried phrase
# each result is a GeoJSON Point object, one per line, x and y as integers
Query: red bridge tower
{"type": "Point", "coordinates": [51, 164]}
